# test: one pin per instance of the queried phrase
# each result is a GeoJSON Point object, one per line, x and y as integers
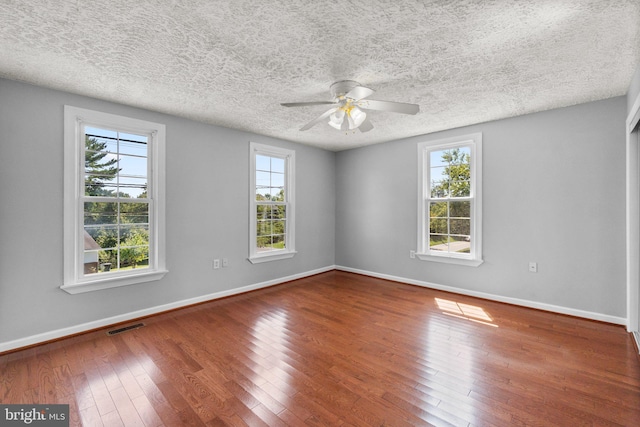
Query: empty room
{"type": "Point", "coordinates": [320, 213]}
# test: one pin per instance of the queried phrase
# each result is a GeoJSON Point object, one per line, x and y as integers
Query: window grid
{"type": "Point", "coordinates": [272, 207]}
{"type": "Point", "coordinates": [115, 237]}
{"type": "Point", "coordinates": [449, 199]}
{"type": "Point", "coordinates": [450, 203]}
{"type": "Point", "coordinates": [271, 203]}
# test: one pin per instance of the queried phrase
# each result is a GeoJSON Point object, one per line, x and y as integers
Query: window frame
{"type": "Point", "coordinates": [289, 251]}
{"type": "Point", "coordinates": [424, 253]}
{"type": "Point", "coordinates": [75, 120]}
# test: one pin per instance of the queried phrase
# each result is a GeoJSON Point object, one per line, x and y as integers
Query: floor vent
{"type": "Point", "coordinates": [126, 328]}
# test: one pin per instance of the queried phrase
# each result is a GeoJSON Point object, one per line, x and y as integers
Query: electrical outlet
{"type": "Point", "coordinates": [533, 267]}
{"type": "Point", "coordinates": [225, 262]}
{"type": "Point", "coordinates": [412, 254]}
{"type": "Point", "coordinates": [216, 264]}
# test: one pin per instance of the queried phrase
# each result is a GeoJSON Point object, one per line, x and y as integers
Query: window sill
{"type": "Point", "coordinates": [112, 282]}
{"type": "Point", "coordinates": [450, 260]}
{"type": "Point", "coordinates": [273, 256]}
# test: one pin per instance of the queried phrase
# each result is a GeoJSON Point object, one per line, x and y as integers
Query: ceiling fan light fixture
{"type": "Point", "coordinates": [358, 117]}
{"type": "Point", "coordinates": [348, 101]}
{"type": "Point", "coordinates": [336, 119]}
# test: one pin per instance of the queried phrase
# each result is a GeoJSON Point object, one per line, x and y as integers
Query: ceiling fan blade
{"type": "Point", "coordinates": [359, 92]}
{"type": "Point", "coordinates": [306, 104]}
{"type": "Point", "coordinates": [395, 107]}
{"type": "Point", "coordinates": [314, 122]}
{"type": "Point", "coordinates": [365, 126]}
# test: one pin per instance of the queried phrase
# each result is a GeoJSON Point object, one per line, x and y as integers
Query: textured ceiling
{"type": "Point", "coordinates": [231, 63]}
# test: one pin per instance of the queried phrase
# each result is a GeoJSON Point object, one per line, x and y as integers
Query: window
{"type": "Point", "coordinates": [113, 201]}
{"type": "Point", "coordinates": [271, 203]}
{"type": "Point", "coordinates": [450, 202]}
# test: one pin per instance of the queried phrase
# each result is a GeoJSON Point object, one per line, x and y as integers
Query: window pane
{"type": "Point", "coordinates": [460, 226]}
{"type": "Point", "coordinates": [100, 213]}
{"type": "Point", "coordinates": [435, 158]}
{"type": "Point", "coordinates": [99, 186]}
{"type": "Point", "coordinates": [133, 144]}
{"type": "Point", "coordinates": [439, 189]}
{"type": "Point", "coordinates": [133, 187]}
{"type": "Point", "coordinates": [263, 163]}
{"type": "Point", "coordinates": [134, 234]}
{"type": "Point", "coordinates": [463, 155]}
{"type": "Point", "coordinates": [277, 194]}
{"type": "Point", "coordinates": [450, 226]}
{"type": "Point", "coordinates": [461, 244]}
{"type": "Point", "coordinates": [277, 180]}
{"type": "Point", "coordinates": [263, 180]}
{"type": "Point", "coordinates": [108, 261]}
{"type": "Point", "coordinates": [279, 212]}
{"type": "Point", "coordinates": [438, 210]}
{"type": "Point", "coordinates": [100, 237]}
{"type": "Point", "coordinates": [277, 165]}
{"type": "Point", "coordinates": [263, 212]}
{"type": "Point", "coordinates": [460, 188]}
{"type": "Point", "coordinates": [438, 226]}
{"type": "Point", "coordinates": [133, 166]}
{"type": "Point", "coordinates": [439, 243]}
{"type": "Point", "coordinates": [134, 245]}
{"type": "Point", "coordinates": [279, 227]}
{"type": "Point", "coordinates": [270, 227]}
{"type": "Point", "coordinates": [91, 262]}
{"type": "Point", "coordinates": [97, 143]}
{"type": "Point", "coordinates": [460, 209]}
{"type": "Point", "coordinates": [134, 213]}
{"type": "Point", "coordinates": [263, 243]}
{"type": "Point", "coordinates": [450, 172]}
{"type": "Point", "coordinates": [278, 241]}
{"type": "Point", "coordinates": [263, 228]}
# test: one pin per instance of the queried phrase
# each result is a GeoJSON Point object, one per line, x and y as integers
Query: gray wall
{"type": "Point", "coordinates": [554, 193]}
{"type": "Point", "coordinates": [207, 214]}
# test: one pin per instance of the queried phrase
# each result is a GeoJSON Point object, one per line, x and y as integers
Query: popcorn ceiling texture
{"type": "Point", "coordinates": [231, 63]}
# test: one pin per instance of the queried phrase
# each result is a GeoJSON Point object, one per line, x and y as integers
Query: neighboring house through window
{"type": "Point", "coordinates": [271, 203]}
{"type": "Point", "coordinates": [114, 201]}
{"type": "Point", "coordinates": [450, 200]}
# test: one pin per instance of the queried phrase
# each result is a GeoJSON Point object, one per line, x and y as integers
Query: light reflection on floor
{"type": "Point", "coordinates": [465, 311]}
{"type": "Point", "coordinates": [271, 332]}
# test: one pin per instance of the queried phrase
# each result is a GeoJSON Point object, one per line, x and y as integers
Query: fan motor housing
{"type": "Point", "coordinates": [342, 87]}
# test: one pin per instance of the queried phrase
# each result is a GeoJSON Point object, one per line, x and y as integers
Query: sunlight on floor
{"type": "Point", "coordinates": [465, 311]}
{"type": "Point", "coordinates": [270, 339]}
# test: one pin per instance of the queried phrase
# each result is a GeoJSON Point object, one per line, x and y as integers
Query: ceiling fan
{"type": "Point", "coordinates": [347, 104]}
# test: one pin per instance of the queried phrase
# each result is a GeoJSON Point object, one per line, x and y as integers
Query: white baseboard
{"type": "Point", "coordinates": [96, 324]}
{"type": "Point", "coordinates": [636, 335]}
{"type": "Point", "coordinates": [515, 301]}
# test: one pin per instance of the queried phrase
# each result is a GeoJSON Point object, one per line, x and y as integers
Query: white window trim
{"type": "Point", "coordinates": [289, 155]}
{"type": "Point", "coordinates": [74, 281]}
{"type": "Point", "coordinates": [474, 258]}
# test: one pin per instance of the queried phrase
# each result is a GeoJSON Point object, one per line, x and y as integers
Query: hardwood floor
{"type": "Point", "coordinates": [339, 349]}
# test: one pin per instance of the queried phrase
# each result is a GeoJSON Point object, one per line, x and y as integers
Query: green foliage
{"type": "Point", "coordinates": [456, 176]}
{"type": "Point", "coordinates": [269, 198]}
{"type": "Point", "coordinates": [271, 221]}
{"type": "Point", "coordinates": [135, 247]}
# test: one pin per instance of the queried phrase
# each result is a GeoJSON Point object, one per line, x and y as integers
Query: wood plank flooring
{"type": "Point", "coordinates": [339, 349]}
